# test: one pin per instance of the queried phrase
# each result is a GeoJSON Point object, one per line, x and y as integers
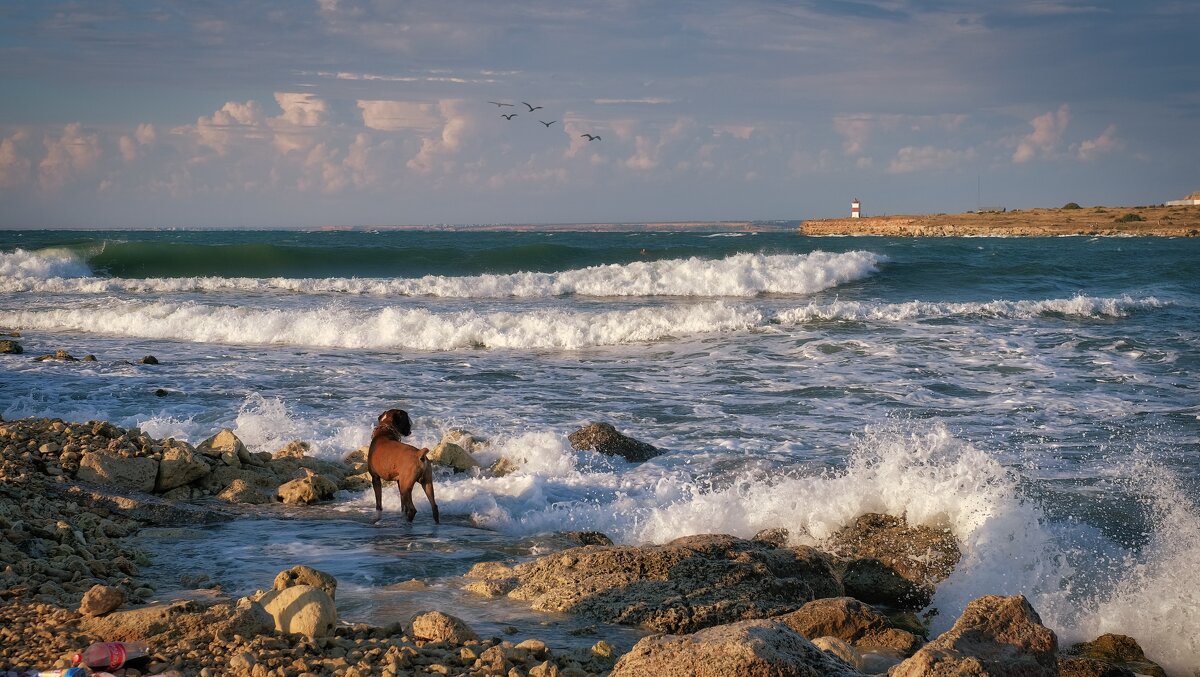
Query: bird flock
{"type": "Point", "coordinates": [509, 116]}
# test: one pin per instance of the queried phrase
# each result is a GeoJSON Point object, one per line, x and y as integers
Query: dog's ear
{"type": "Point", "coordinates": [384, 415]}
{"type": "Point", "coordinates": [424, 454]}
{"type": "Point", "coordinates": [402, 422]}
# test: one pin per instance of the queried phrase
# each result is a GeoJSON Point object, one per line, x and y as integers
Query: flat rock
{"type": "Point", "coordinates": [604, 438]}
{"type": "Point", "coordinates": [1120, 651]}
{"type": "Point", "coordinates": [136, 472]}
{"type": "Point", "coordinates": [887, 561]}
{"type": "Point", "coordinates": [851, 621]}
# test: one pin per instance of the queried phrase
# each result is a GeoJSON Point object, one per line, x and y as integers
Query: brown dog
{"type": "Point", "coordinates": [390, 459]}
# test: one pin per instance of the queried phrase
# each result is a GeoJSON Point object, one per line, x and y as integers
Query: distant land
{"type": "Point", "coordinates": [702, 226]}
{"type": "Point", "coordinates": [1182, 221]}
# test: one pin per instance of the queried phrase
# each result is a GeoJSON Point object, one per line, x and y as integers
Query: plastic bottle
{"type": "Point", "coordinates": [111, 655]}
{"type": "Point", "coordinates": [62, 672]}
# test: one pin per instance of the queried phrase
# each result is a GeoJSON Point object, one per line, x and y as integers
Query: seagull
{"type": "Point", "coordinates": [509, 116]}
{"type": "Point", "coordinates": [548, 123]}
{"type": "Point", "coordinates": [531, 108]}
{"type": "Point", "coordinates": [500, 104]}
{"type": "Point", "coordinates": [591, 137]}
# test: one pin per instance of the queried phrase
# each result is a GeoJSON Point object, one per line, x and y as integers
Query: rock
{"type": "Point", "coordinates": [683, 586]}
{"type": "Point", "coordinates": [502, 467]}
{"type": "Point", "coordinates": [452, 456]}
{"type": "Point", "coordinates": [777, 537]}
{"type": "Point", "coordinates": [466, 440]}
{"type": "Point", "coordinates": [841, 649]}
{"type": "Point", "coordinates": [851, 621]}
{"type": "Point", "coordinates": [302, 609]}
{"type": "Point", "coordinates": [179, 466]}
{"type": "Point", "coordinates": [994, 636]}
{"type": "Point", "coordinates": [58, 355]}
{"type": "Point", "coordinates": [89, 358]}
{"type": "Point", "coordinates": [588, 537]}
{"type": "Point", "coordinates": [889, 562]}
{"type": "Point", "coordinates": [144, 623]}
{"type": "Point", "coordinates": [754, 648]}
{"type": "Point", "coordinates": [101, 599]}
{"type": "Point", "coordinates": [242, 662]}
{"type": "Point", "coordinates": [306, 575]}
{"type": "Point", "coordinates": [160, 392]}
{"type": "Point", "coordinates": [305, 490]}
{"type": "Point", "coordinates": [10, 347]}
{"type": "Point", "coordinates": [436, 626]}
{"type": "Point", "coordinates": [492, 579]}
{"type": "Point", "coordinates": [139, 472]}
{"type": "Point", "coordinates": [222, 443]}
{"type": "Point", "coordinates": [1076, 666]}
{"type": "Point", "coordinates": [1120, 651]}
{"type": "Point", "coordinates": [149, 359]}
{"type": "Point", "coordinates": [293, 449]}
{"type": "Point", "coordinates": [604, 438]}
{"type": "Point", "coordinates": [241, 491]}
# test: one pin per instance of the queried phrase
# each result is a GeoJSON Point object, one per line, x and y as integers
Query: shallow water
{"type": "Point", "coordinates": [1038, 396]}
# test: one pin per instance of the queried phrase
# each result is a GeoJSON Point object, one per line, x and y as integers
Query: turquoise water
{"type": "Point", "coordinates": [1038, 396]}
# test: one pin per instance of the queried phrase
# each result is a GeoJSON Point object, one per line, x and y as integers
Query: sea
{"type": "Point", "coordinates": [1039, 397]}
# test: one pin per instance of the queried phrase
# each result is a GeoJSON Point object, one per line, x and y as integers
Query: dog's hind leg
{"type": "Point", "coordinates": [427, 485]}
{"type": "Point", "coordinates": [377, 485]}
{"type": "Point", "coordinates": [410, 508]}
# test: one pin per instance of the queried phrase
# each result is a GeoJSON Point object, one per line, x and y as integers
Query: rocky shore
{"type": "Point", "coordinates": [1084, 221]}
{"type": "Point", "coordinates": [72, 494]}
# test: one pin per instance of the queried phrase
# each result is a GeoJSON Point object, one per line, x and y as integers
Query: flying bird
{"type": "Point", "coordinates": [548, 123]}
{"type": "Point", "coordinates": [531, 108]}
{"type": "Point", "coordinates": [509, 116]}
{"type": "Point", "coordinates": [590, 137]}
{"type": "Point", "coordinates": [500, 104]}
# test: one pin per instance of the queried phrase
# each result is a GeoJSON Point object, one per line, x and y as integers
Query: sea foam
{"type": "Point", "coordinates": [1075, 307]}
{"type": "Point", "coordinates": [21, 269]}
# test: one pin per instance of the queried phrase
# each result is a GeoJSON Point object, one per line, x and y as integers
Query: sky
{"type": "Point", "coordinates": [304, 113]}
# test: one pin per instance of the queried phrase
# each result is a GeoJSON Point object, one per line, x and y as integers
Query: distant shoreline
{"type": "Point", "coordinates": [1086, 221]}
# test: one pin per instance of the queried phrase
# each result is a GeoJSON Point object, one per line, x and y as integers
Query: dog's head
{"type": "Point", "coordinates": [396, 420]}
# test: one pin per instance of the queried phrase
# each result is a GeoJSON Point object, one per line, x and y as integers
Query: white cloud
{"type": "Point", "coordinates": [73, 153]}
{"type": "Point", "coordinates": [857, 128]}
{"type": "Point", "coordinates": [234, 122]}
{"type": "Point", "coordinates": [650, 100]}
{"type": "Point", "coordinates": [1048, 129]}
{"type": "Point", "coordinates": [302, 109]}
{"type": "Point", "coordinates": [927, 158]}
{"type": "Point", "coordinates": [392, 116]}
{"type": "Point", "coordinates": [14, 165]}
{"type": "Point", "coordinates": [455, 125]}
{"type": "Point", "coordinates": [130, 146]}
{"type": "Point", "coordinates": [648, 151]}
{"type": "Point", "coordinates": [1107, 142]}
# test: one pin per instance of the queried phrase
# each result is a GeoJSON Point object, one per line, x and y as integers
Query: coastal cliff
{"type": "Point", "coordinates": [1088, 221]}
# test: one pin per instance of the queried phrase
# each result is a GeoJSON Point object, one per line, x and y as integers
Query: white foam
{"type": "Point", "coordinates": [336, 326]}
{"type": "Point", "coordinates": [738, 275]}
{"type": "Point", "coordinates": [25, 270]}
{"type": "Point", "coordinates": [1077, 306]}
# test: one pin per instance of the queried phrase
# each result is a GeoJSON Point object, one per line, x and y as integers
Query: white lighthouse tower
{"type": "Point", "coordinates": [855, 209]}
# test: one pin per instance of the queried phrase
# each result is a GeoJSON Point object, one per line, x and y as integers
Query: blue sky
{"type": "Point", "coordinates": [306, 113]}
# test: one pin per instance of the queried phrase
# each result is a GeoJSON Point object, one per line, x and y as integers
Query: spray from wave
{"type": "Point", "coordinates": [1075, 307]}
{"type": "Point", "coordinates": [21, 268]}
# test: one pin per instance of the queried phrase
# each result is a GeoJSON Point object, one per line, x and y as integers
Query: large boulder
{"type": "Point", "coordinates": [994, 636]}
{"type": "Point", "coordinates": [853, 622]}
{"type": "Point", "coordinates": [179, 466]}
{"type": "Point", "coordinates": [887, 561]}
{"type": "Point", "coordinates": [604, 438]}
{"type": "Point", "coordinates": [306, 575]}
{"type": "Point", "coordinates": [435, 626]}
{"type": "Point", "coordinates": [302, 609]}
{"type": "Point", "coordinates": [101, 599]}
{"type": "Point", "coordinates": [452, 455]}
{"type": "Point", "coordinates": [755, 648]}
{"type": "Point", "coordinates": [10, 347]}
{"type": "Point", "coordinates": [305, 490]}
{"type": "Point", "coordinates": [688, 584]}
{"type": "Point", "coordinates": [1119, 652]}
{"type": "Point", "coordinates": [136, 472]}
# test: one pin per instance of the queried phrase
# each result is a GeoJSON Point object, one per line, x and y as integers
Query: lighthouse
{"type": "Point", "coordinates": [855, 208]}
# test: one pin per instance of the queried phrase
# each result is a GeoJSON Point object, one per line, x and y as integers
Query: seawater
{"type": "Point", "coordinates": [1037, 396]}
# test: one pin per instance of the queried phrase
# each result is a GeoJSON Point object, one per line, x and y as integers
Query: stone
{"type": "Point", "coordinates": [851, 621]}
{"type": "Point", "coordinates": [994, 636]}
{"type": "Point", "coordinates": [293, 449]}
{"type": "Point", "coordinates": [468, 441]}
{"type": "Point", "coordinates": [756, 648]}
{"type": "Point", "coordinates": [1076, 666]}
{"type": "Point", "coordinates": [138, 473]}
{"type": "Point", "coordinates": [841, 649]}
{"type": "Point", "coordinates": [222, 443]}
{"type": "Point", "coordinates": [149, 359]}
{"type": "Point", "coordinates": [302, 609]}
{"type": "Point", "coordinates": [61, 355]}
{"type": "Point", "coordinates": [588, 537]}
{"type": "Point", "coordinates": [306, 575]}
{"type": "Point", "coordinates": [1120, 651]}
{"type": "Point", "coordinates": [777, 537]}
{"type": "Point", "coordinates": [436, 626]}
{"type": "Point", "coordinates": [887, 561]}
{"type": "Point", "coordinates": [604, 438]}
{"type": "Point", "coordinates": [10, 347]}
{"type": "Point", "coordinates": [688, 584]}
{"type": "Point", "coordinates": [502, 467]}
{"type": "Point", "coordinates": [179, 466]}
{"type": "Point", "coordinates": [101, 599]}
{"type": "Point", "coordinates": [452, 456]}
{"type": "Point", "coordinates": [305, 490]}
{"type": "Point", "coordinates": [241, 491]}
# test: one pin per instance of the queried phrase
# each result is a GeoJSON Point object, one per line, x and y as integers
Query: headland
{"type": "Point", "coordinates": [1158, 221]}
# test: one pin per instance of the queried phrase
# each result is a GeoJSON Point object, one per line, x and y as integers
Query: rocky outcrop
{"type": "Point", "coordinates": [179, 466]}
{"type": "Point", "coordinates": [301, 609]}
{"type": "Point", "coordinates": [10, 347]}
{"type": "Point", "coordinates": [182, 620]}
{"type": "Point", "coordinates": [305, 490]}
{"type": "Point", "coordinates": [604, 438]}
{"type": "Point", "coordinates": [241, 491]}
{"type": "Point", "coordinates": [452, 455]}
{"type": "Point", "coordinates": [435, 626]}
{"type": "Point", "coordinates": [887, 561]}
{"type": "Point", "coordinates": [994, 636]}
{"type": "Point", "coordinates": [683, 586]}
{"type": "Point", "coordinates": [134, 472]}
{"type": "Point", "coordinates": [306, 575]}
{"type": "Point", "coordinates": [754, 648]}
{"type": "Point", "coordinates": [853, 622]}
{"type": "Point", "coordinates": [1115, 652]}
